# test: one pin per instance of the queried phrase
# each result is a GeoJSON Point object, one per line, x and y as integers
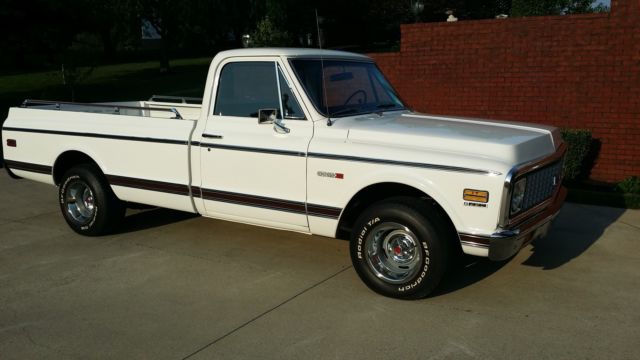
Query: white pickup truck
{"type": "Point", "coordinates": [305, 140]}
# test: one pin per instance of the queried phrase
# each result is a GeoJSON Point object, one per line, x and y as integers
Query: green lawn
{"type": "Point", "coordinates": [123, 82]}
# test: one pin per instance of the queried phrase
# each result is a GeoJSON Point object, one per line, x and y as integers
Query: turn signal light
{"type": "Point", "coordinates": [476, 195]}
{"type": "Point", "coordinates": [12, 143]}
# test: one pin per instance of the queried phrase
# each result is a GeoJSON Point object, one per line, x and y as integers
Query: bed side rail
{"type": "Point", "coordinates": [98, 108]}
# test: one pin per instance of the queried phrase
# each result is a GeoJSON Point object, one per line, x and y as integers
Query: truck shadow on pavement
{"type": "Point", "coordinates": [144, 219]}
{"type": "Point", "coordinates": [575, 230]}
{"type": "Point", "coordinates": [469, 270]}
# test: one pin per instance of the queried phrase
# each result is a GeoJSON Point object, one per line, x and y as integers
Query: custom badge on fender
{"type": "Point", "coordinates": [330, 174]}
{"type": "Point", "coordinates": [477, 198]}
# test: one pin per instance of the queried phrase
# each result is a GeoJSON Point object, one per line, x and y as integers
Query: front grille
{"type": "Point", "coordinates": [541, 184]}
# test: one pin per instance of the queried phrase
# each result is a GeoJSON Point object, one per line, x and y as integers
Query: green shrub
{"type": "Point", "coordinates": [578, 145]}
{"type": "Point", "coordinates": [630, 185]}
{"type": "Point", "coordinates": [269, 34]}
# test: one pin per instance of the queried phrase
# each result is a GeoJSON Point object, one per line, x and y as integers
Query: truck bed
{"type": "Point", "coordinates": [127, 140]}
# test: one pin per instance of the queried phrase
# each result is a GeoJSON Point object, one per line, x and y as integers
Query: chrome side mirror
{"type": "Point", "coordinates": [269, 116]}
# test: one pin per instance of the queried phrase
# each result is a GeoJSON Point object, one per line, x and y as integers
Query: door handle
{"type": "Point", "coordinates": [211, 136]}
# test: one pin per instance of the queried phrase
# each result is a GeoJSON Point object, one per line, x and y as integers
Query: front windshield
{"type": "Point", "coordinates": [352, 87]}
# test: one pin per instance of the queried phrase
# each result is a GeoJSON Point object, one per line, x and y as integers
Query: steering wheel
{"type": "Point", "coordinates": [361, 92]}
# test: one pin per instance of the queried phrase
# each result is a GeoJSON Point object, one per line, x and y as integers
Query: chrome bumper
{"type": "Point", "coordinates": [506, 243]}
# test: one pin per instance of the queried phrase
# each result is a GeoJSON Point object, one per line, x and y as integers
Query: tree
{"type": "Point", "coordinates": [166, 16]}
{"type": "Point", "coordinates": [113, 21]}
{"type": "Point", "coordinates": [268, 34]}
{"type": "Point", "coordinates": [49, 28]}
{"type": "Point", "coordinates": [554, 7]}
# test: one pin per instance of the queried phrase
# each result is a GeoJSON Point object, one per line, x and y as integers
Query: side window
{"type": "Point", "coordinates": [290, 105]}
{"type": "Point", "coordinates": [246, 87]}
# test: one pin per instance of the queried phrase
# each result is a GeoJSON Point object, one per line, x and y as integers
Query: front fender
{"type": "Point", "coordinates": [412, 179]}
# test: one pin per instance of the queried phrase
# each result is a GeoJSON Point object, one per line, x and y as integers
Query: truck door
{"type": "Point", "coordinates": [255, 172]}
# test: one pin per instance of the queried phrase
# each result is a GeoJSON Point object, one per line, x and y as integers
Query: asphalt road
{"type": "Point", "coordinates": [174, 286]}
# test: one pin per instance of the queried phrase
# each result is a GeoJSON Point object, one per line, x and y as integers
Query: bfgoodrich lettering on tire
{"type": "Point", "coordinates": [399, 247]}
{"type": "Point", "coordinates": [87, 202]}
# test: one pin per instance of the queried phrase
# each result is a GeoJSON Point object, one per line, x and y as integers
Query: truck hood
{"type": "Point", "coordinates": [503, 141]}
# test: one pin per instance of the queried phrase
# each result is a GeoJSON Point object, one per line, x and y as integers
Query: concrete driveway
{"type": "Point", "coordinates": [174, 286]}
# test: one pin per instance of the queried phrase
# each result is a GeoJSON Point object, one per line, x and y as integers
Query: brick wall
{"type": "Point", "coordinates": [579, 71]}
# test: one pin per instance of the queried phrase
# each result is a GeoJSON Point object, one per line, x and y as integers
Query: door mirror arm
{"type": "Point", "coordinates": [279, 127]}
{"type": "Point", "coordinates": [269, 116]}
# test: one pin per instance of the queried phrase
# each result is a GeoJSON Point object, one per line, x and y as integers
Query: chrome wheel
{"type": "Point", "coordinates": [79, 202]}
{"type": "Point", "coordinates": [393, 252]}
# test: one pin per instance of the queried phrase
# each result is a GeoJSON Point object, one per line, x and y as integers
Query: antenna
{"type": "Point", "coordinates": [318, 30]}
{"type": "Point", "coordinates": [324, 85]}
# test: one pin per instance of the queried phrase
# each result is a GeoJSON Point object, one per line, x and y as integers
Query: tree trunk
{"type": "Point", "coordinates": [107, 44]}
{"type": "Point", "coordinates": [164, 52]}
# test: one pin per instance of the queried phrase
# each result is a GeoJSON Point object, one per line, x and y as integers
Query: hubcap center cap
{"type": "Point", "coordinates": [400, 247]}
{"type": "Point", "coordinates": [393, 252]}
{"type": "Point", "coordinates": [80, 202]}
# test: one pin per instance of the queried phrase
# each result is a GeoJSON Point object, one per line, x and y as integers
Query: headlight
{"type": "Point", "coordinates": [517, 196]}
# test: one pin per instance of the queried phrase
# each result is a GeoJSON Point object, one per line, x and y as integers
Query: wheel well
{"type": "Point", "coordinates": [378, 192]}
{"type": "Point", "coordinates": [67, 160]}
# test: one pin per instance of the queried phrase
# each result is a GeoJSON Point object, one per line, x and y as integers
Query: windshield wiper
{"type": "Point", "coordinates": [383, 107]}
{"type": "Point", "coordinates": [352, 110]}
{"type": "Point", "coordinates": [387, 105]}
{"type": "Point", "coordinates": [344, 111]}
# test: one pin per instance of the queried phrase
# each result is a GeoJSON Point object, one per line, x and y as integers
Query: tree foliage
{"type": "Point", "coordinates": [53, 32]}
{"type": "Point", "coordinates": [267, 34]}
{"type": "Point", "coordinates": [554, 7]}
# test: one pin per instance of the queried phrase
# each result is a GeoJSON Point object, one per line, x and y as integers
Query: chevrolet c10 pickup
{"type": "Point", "coordinates": [306, 140]}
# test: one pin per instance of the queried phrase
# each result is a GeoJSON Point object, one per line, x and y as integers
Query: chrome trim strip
{"type": "Point", "coordinates": [31, 167]}
{"type": "Point", "coordinates": [151, 185]}
{"type": "Point", "coordinates": [474, 244]}
{"type": "Point", "coordinates": [116, 108]}
{"type": "Point", "coordinates": [329, 212]}
{"type": "Point", "coordinates": [265, 151]}
{"type": "Point", "coordinates": [263, 202]}
{"type": "Point", "coordinates": [404, 163]}
{"type": "Point", "coordinates": [486, 239]}
{"type": "Point", "coordinates": [99, 136]}
{"type": "Point", "coordinates": [516, 172]}
{"type": "Point", "coordinates": [250, 149]}
{"type": "Point", "coordinates": [183, 99]}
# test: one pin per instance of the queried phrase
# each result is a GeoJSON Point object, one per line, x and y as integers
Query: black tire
{"type": "Point", "coordinates": [87, 202]}
{"type": "Point", "coordinates": [400, 247]}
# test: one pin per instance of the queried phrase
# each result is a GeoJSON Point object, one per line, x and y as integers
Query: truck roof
{"type": "Point", "coordinates": [291, 52]}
